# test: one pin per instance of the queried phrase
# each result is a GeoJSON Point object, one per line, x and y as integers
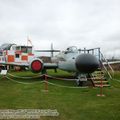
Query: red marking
{"type": "Point", "coordinates": [18, 52]}
{"type": "Point", "coordinates": [24, 57]}
{"type": "Point", "coordinates": [36, 65]}
{"type": "Point", "coordinates": [11, 58]}
{"type": "Point", "coordinates": [30, 54]}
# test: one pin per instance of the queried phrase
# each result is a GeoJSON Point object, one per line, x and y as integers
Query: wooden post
{"type": "Point", "coordinates": [46, 83]}
{"type": "Point", "coordinates": [101, 90]}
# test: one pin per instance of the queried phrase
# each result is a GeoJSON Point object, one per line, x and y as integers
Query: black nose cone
{"type": "Point", "coordinates": [86, 63]}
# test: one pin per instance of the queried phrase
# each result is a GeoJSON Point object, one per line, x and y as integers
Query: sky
{"type": "Point", "coordinates": [81, 23]}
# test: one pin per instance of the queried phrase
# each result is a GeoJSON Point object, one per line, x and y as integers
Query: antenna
{"type": "Point", "coordinates": [52, 50]}
{"type": "Point", "coordinates": [29, 41]}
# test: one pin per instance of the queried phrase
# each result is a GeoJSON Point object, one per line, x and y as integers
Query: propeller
{"type": "Point", "coordinates": [52, 50]}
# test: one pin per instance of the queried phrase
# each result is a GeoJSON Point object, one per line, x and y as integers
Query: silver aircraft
{"type": "Point", "coordinates": [80, 62]}
{"type": "Point", "coordinates": [73, 60]}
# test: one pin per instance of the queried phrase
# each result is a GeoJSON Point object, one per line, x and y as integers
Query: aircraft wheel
{"type": "Point", "coordinates": [79, 83]}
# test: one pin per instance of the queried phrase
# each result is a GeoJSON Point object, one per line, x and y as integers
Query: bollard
{"type": "Point", "coordinates": [101, 90]}
{"type": "Point", "coordinates": [46, 83]}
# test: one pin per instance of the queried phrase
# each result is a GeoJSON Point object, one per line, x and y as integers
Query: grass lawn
{"type": "Point", "coordinates": [71, 103]}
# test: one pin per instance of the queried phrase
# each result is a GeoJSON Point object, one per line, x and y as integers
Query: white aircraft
{"type": "Point", "coordinates": [69, 60]}
{"type": "Point", "coordinates": [82, 62]}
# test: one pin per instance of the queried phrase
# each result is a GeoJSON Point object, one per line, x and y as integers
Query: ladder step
{"type": "Point", "coordinates": [104, 85]}
{"type": "Point", "coordinates": [100, 82]}
{"type": "Point", "coordinates": [99, 76]}
{"type": "Point", "coordinates": [98, 79]}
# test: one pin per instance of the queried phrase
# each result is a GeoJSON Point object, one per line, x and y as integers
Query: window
{"type": "Point", "coordinates": [24, 49]}
{"type": "Point", "coordinates": [17, 55]}
{"type": "Point", "coordinates": [29, 50]}
{"type": "Point", "coordinates": [1, 53]}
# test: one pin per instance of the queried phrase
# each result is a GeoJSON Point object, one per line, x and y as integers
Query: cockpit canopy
{"type": "Point", "coordinates": [72, 49]}
{"type": "Point", "coordinates": [6, 46]}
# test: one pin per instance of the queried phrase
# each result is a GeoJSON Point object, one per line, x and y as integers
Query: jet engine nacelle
{"type": "Point", "coordinates": [86, 63]}
{"type": "Point", "coordinates": [36, 65]}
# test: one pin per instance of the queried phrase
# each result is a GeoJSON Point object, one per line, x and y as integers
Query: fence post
{"type": "Point", "coordinates": [46, 83]}
{"type": "Point", "coordinates": [101, 90]}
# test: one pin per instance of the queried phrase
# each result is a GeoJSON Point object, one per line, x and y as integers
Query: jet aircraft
{"type": "Point", "coordinates": [81, 62]}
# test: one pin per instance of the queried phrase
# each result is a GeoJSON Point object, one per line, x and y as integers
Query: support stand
{"type": "Point", "coordinates": [45, 83]}
{"type": "Point", "coordinates": [3, 73]}
{"type": "Point", "coordinates": [101, 90]}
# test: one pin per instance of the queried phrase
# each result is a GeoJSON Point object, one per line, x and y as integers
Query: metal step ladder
{"type": "Point", "coordinates": [98, 78]}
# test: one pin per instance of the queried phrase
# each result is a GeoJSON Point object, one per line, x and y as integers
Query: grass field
{"type": "Point", "coordinates": [71, 103]}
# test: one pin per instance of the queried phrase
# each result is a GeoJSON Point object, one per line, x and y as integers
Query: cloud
{"type": "Point", "coordinates": [88, 23]}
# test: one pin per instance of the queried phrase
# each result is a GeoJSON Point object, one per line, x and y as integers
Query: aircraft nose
{"type": "Point", "coordinates": [86, 63]}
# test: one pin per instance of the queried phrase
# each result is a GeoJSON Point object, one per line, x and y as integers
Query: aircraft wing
{"type": "Point", "coordinates": [50, 65]}
{"type": "Point", "coordinates": [112, 62]}
{"type": "Point", "coordinates": [26, 64]}
{"type": "Point", "coordinates": [15, 63]}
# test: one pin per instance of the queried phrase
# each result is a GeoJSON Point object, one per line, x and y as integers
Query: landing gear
{"type": "Point", "coordinates": [55, 70]}
{"type": "Point", "coordinates": [44, 71]}
{"type": "Point", "coordinates": [79, 83]}
{"type": "Point", "coordinates": [82, 78]}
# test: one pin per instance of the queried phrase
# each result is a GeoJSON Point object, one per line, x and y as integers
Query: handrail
{"type": "Point", "coordinates": [107, 63]}
{"type": "Point", "coordinates": [108, 66]}
{"type": "Point", "coordinates": [107, 71]}
{"type": "Point", "coordinates": [100, 57]}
